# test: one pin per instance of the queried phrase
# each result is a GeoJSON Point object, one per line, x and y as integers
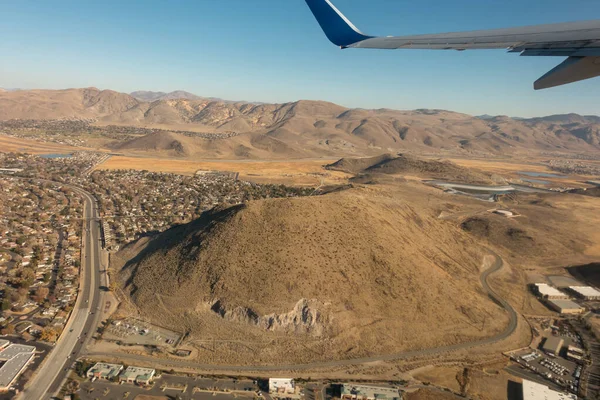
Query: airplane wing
{"type": "Point", "coordinates": [579, 41]}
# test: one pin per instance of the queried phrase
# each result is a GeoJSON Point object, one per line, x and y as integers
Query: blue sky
{"type": "Point", "coordinates": [274, 51]}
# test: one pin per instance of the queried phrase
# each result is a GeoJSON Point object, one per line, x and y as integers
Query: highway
{"type": "Point", "coordinates": [84, 318]}
{"type": "Point", "coordinates": [508, 331]}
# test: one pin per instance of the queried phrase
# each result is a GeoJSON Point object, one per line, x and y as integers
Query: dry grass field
{"type": "Point", "coordinates": [17, 145]}
{"type": "Point", "coordinates": [300, 172]}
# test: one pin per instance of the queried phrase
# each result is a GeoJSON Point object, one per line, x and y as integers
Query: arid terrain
{"type": "Point", "coordinates": [296, 130]}
{"type": "Point", "coordinates": [373, 259]}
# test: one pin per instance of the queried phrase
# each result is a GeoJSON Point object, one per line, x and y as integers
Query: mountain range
{"type": "Point", "coordinates": [306, 128]}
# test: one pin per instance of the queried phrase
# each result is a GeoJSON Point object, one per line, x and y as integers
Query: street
{"type": "Point", "coordinates": [83, 320]}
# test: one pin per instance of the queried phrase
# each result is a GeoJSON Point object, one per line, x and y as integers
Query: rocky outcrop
{"type": "Point", "coordinates": [305, 317]}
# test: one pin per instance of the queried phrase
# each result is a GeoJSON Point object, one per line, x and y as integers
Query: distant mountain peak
{"type": "Point", "coordinates": [150, 96]}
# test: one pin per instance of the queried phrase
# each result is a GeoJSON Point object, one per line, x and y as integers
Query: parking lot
{"type": "Point", "coordinates": [186, 388]}
{"type": "Point", "coordinates": [558, 370]}
{"type": "Point", "coordinates": [133, 331]}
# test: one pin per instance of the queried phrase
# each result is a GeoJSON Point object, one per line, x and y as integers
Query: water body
{"type": "Point", "coordinates": [538, 181]}
{"type": "Point", "coordinates": [53, 155]}
{"type": "Point", "coordinates": [541, 174]}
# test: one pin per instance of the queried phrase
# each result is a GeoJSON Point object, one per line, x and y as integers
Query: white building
{"type": "Point", "coordinates": [535, 391]}
{"type": "Point", "coordinates": [586, 292]}
{"type": "Point", "coordinates": [565, 306]}
{"type": "Point", "coordinates": [548, 292]}
{"type": "Point", "coordinates": [142, 376]}
{"type": "Point", "coordinates": [16, 358]}
{"type": "Point", "coordinates": [281, 386]}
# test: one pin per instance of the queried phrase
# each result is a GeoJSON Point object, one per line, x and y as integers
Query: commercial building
{"type": "Point", "coordinates": [141, 376]}
{"type": "Point", "coordinates": [104, 371]}
{"type": "Point", "coordinates": [282, 386]}
{"type": "Point", "coordinates": [585, 292]}
{"type": "Point", "coordinates": [548, 292]}
{"type": "Point", "coordinates": [553, 345]}
{"type": "Point", "coordinates": [365, 392]}
{"type": "Point", "coordinates": [16, 358]}
{"type": "Point", "coordinates": [535, 391]}
{"type": "Point", "coordinates": [565, 306]}
{"type": "Point", "coordinates": [575, 354]}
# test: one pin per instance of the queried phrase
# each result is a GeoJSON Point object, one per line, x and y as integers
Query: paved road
{"type": "Point", "coordinates": [83, 320]}
{"type": "Point", "coordinates": [509, 330]}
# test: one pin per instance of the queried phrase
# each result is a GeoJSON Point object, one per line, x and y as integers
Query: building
{"type": "Point", "coordinates": [548, 292]}
{"type": "Point", "coordinates": [504, 213]}
{"type": "Point", "coordinates": [575, 354]}
{"type": "Point", "coordinates": [282, 386]}
{"type": "Point", "coordinates": [565, 306]}
{"type": "Point", "coordinates": [585, 292]}
{"type": "Point", "coordinates": [104, 371]}
{"type": "Point", "coordinates": [16, 358]}
{"type": "Point", "coordinates": [364, 392]}
{"type": "Point", "coordinates": [141, 376]}
{"type": "Point", "coordinates": [535, 391]}
{"type": "Point", "coordinates": [553, 345]}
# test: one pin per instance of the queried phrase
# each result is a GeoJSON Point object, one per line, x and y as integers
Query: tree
{"type": "Point", "coordinates": [8, 330]}
{"type": "Point", "coordinates": [48, 335]}
{"type": "Point", "coordinates": [41, 293]}
{"type": "Point", "coordinates": [6, 304]}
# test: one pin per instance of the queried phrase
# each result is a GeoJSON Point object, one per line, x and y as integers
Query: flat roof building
{"type": "Point", "coordinates": [104, 371]}
{"type": "Point", "coordinates": [565, 306]}
{"type": "Point", "coordinates": [142, 376]}
{"type": "Point", "coordinates": [585, 292]}
{"type": "Point", "coordinates": [535, 391]}
{"type": "Point", "coordinates": [367, 392]}
{"type": "Point", "coordinates": [553, 345]}
{"type": "Point", "coordinates": [548, 292]}
{"type": "Point", "coordinates": [281, 385]}
{"type": "Point", "coordinates": [16, 358]}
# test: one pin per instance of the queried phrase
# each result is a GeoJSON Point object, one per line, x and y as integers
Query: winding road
{"type": "Point", "coordinates": [84, 318]}
{"type": "Point", "coordinates": [508, 331]}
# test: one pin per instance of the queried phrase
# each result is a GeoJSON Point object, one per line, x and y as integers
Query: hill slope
{"type": "Point", "coordinates": [320, 127]}
{"type": "Point", "coordinates": [337, 276]}
{"type": "Point", "coordinates": [409, 165]}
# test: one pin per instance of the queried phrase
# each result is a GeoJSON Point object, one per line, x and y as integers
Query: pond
{"type": "Point", "coordinates": [541, 174]}
{"type": "Point", "coordinates": [54, 155]}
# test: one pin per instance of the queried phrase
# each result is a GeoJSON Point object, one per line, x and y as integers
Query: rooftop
{"type": "Point", "coordinates": [376, 392]}
{"type": "Point", "coordinates": [535, 391]}
{"type": "Point", "coordinates": [15, 349]}
{"type": "Point", "coordinates": [586, 291]}
{"type": "Point", "coordinates": [135, 372]}
{"type": "Point", "coordinates": [565, 304]}
{"type": "Point", "coordinates": [547, 290]}
{"type": "Point", "coordinates": [17, 357]}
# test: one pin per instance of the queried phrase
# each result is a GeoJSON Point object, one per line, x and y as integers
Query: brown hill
{"type": "Point", "coordinates": [68, 103]}
{"type": "Point", "coordinates": [318, 127]}
{"type": "Point", "coordinates": [409, 165]}
{"type": "Point", "coordinates": [292, 280]}
{"type": "Point", "coordinates": [166, 142]}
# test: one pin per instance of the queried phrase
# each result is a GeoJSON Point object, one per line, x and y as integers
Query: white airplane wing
{"type": "Point", "coordinates": [579, 41]}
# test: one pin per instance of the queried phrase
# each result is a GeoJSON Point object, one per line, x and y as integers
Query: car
{"type": "Point", "coordinates": [71, 330]}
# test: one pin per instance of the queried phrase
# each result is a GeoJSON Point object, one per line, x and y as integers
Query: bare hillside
{"type": "Point", "coordinates": [409, 165]}
{"type": "Point", "coordinates": [320, 128]}
{"type": "Point", "coordinates": [338, 276]}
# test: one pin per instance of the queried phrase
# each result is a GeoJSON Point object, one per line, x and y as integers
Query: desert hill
{"type": "Point", "coordinates": [409, 165]}
{"type": "Point", "coordinates": [149, 96]}
{"type": "Point", "coordinates": [342, 275]}
{"type": "Point", "coordinates": [320, 127]}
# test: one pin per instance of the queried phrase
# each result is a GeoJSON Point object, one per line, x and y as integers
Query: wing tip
{"type": "Point", "coordinates": [338, 29]}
